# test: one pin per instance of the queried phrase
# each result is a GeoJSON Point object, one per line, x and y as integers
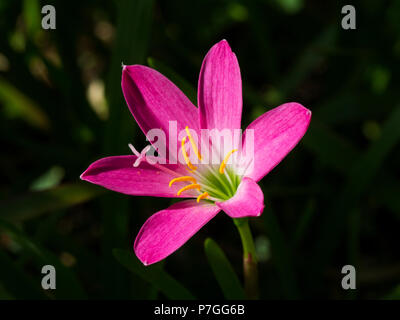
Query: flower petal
{"type": "Point", "coordinates": [247, 202]}
{"type": "Point", "coordinates": [167, 230]}
{"type": "Point", "coordinates": [220, 89]}
{"type": "Point", "coordinates": [276, 133]}
{"type": "Point", "coordinates": [154, 101]}
{"type": "Point", "coordinates": [118, 174]}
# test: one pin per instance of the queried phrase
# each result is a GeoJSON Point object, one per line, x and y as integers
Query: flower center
{"type": "Point", "coordinates": [213, 182]}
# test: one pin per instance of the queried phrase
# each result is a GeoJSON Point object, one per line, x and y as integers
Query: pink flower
{"type": "Point", "coordinates": [155, 101]}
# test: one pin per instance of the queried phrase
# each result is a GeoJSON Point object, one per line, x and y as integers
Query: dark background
{"type": "Point", "coordinates": [333, 201]}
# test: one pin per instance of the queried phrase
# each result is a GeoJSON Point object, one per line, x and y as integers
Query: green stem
{"type": "Point", "coordinates": [250, 270]}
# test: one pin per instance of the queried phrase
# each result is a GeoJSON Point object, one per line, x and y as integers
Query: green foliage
{"type": "Point", "coordinates": [334, 200]}
{"type": "Point", "coordinates": [17, 105]}
{"type": "Point", "coordinates": [223, 271]}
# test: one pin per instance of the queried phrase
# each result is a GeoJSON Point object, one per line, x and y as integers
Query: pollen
{"type": "Point", "coordinates": [223, 164]}
{"type": "Point", "coordinates": [189, 187]}
{"type": "Point", "coordinates": [180, 179]}
{"type": "Point", "coordinates": [202, 196]}
{"type": "Point", "coordinates": [195, 149]}
{"type": "Point", "coordinates": [185, 155]}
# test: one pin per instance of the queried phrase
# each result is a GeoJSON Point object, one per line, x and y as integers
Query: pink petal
{"type": "Point", "coordinates": [220, 89]}
{"type": "Point", "coordinates": [247, 202]}
{"type": "Point", "coordinates": [276, 132]}
{"type": "Point", "coordinates": [167, 230]}
{"type": "Point", "coordinates": [154, 101]}
{"type": "Point", "coordinates": [118, 174]}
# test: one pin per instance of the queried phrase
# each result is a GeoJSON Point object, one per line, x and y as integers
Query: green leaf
{"type": "Point", "coordinates": [223, 271]}
{"type": "Point", "coordinates": [18, 105]}
{"type": "Point", "coordinates": [179, 81]}
{"type": "Point", "coordinates": [37, 203]}
{"type": "Point", "coordinates": [153, 274]}
{"type": "Point", "coordinates": [49, 179]}
{"type": "Point", "coordinates": [32, 17]}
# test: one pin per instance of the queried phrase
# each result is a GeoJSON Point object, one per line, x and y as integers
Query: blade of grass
{"type": "Point", "coordinates": [17, 105]}
{"type": "Point", "coordinates": [223, 271]}
{"type": "Point", "coordinates": [32, 17]}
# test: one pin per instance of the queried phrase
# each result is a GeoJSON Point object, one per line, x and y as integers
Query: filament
{"type": "Point", "coordinates": [189, 164]}
{"type": "Point", "coordinates": [195, 149]}
{"type": "Point", "coordinates": [225, 161]}
{"type": "Point", "coordinates": [202, 196]}
{"type": "Point", "coordinates": [184, 178]}
{"type": "Point", "coordinates": [189, 187]}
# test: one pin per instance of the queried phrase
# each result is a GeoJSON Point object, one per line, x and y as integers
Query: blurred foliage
{"type": "Point", "coordinates": [333, 201]}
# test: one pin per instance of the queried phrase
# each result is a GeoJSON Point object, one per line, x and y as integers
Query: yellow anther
{"type": "Point", "coordinates": [223, 164]}
{"type": "Point", "coordinates": [184, 178]}
{"type": "Point", "coordinates": [196, 151]}
{"type": "Point", "coordinates": [202, 196]}
{"type": "Point", "coordinates": [189, 164]}
{"type": "Point", "coordinates": [190, 186]}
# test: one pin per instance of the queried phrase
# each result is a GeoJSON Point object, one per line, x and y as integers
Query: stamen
{"type": "Point", "coordinates": [190, 186]}
{"type": "Point", "coordinates": [223, 164]}
{"type": "Point", "coordinates": [202, 196]}
{"type": "Point", "coordinates": [142, 155]}
{"type": "Point", "coordinates": [196, 151]}
{"type": "Point", "coordinates": [184, 178]}
{"type": "Point", "coordinates": [135, 152]}
{"type": "Point", "coordinates": [189, 164]}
